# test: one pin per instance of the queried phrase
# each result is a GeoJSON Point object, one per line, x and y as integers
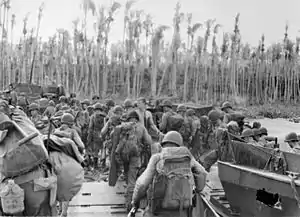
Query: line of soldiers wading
{"type": "Point", "coordinates": [165, 161]}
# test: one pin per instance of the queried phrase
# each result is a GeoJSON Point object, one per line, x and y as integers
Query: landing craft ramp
{"type": "Point", "coordinates": [97, 199]}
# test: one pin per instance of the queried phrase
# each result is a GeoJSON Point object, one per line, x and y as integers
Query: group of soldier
{"type": "Point", "coordinates": [149, 149]}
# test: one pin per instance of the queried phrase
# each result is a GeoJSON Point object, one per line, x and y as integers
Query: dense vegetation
{"type": "Point", "coordinates": [142, 64]}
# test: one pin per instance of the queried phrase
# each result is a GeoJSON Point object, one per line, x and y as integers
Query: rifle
{"type": "Point", "coordinates": [132, 212]}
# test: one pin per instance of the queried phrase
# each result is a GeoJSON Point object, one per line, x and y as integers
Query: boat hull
{"type": "Point", "coordinates": [241, 185]}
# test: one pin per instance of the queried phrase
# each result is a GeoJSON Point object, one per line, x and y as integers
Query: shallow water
{"type": "Point", "coordinates": [280, 128]}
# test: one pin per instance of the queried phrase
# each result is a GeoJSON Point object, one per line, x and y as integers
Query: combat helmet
{"type": "Point", "coordinates": [118, 109]}
{"type": "Point", "coordinates": [63, 99]}
{"type": "Point", "coordinates": [110, 103]}
{"type": "Point", "coordinates": [214, 115]}
{"type": "Point", "coordinates": [167, 103]}
{"type": "Point", "coordinates": [291, 137]}
{"type": "Point", "coordinates": [86, 102]}
{"type": "Point", "coordinates": [128, 103]}
{"type": "Point", "coordinates": [98, 106]}
{"type": "Point", "coordinates": [33, 106]}
{"type": "Point", "coordinates": [247, 133]}
{"type": "Point", "coordinates": [51, 103]}
{"type": "Point", "coordinates": [256, 132]}
{"type": "Point", "coordinates": [43, 102]}
{"type": "Point", "coordinates": [226, 105]}
{"type": "Point", "coordinates": [190, 112]}
{"type": "Point", "coordinates": [173, 137]}
{"type": "Point", "coordinates": [133, 114]}
{"type": "Point", "coordinates": [181, 108]}
{"type": "Point", "coordinates": [67, 118]}
{"type": "Point", "coordinates": [263, 131]}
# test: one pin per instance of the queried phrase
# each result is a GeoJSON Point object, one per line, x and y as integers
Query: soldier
{"type": "Point", "coordinates": [35, 117]}
{"type": "Point", "coordinates": [171, 121]}
{"type": "Point", "coordinates": [133, 136]}
{"type": "Point", "coordinates": [50, 110]}
{"type": "Point", "coordinates": [172, 197]}
{"type": "Point", "coordinates": [43, 103]}
{"type": "Point", "coordinates": [90, 110]}
{"type": "Point", "coordinates": [185, 130]}
{"type": "Point", "coordinates": [113, 121]}
{"type": "Point", "coordinates": [95, 99]}
{"type": "Point", "coordinates": [22, 102]}
{"type": "Point", "coordinates": [94, 140]}
{"type": "Point", "coordinates": [109, 104]}
{"type": "Point", "coordinates": [248, 135]}
{"type": "Point", "coordinates": [67, 130]}
{"type": "Point", "coordinates": [195, 122]}
{"type": "Point", "coordinates": [146, 119]}
{"type": "Point", "coordinates": [63, 101]}
{"type": "Point", "coordinates": [227, 107]}
{"type": "Point", "coordinates": [293, 141]}
{"type": "Point", "coordinates": [233, 128]}
{"type": "Point", "coordinates": [85, 103]}
{"type": "Point", "coordinates": [128, 105]}
{"type": "Point", "coordinates": [75, 105]}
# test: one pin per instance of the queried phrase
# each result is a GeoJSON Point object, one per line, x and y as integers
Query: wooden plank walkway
{"type": "Point", "coordinates": [99, 199]}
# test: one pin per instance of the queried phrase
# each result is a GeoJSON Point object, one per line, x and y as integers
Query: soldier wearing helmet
{"type": "Point", "coordinates": [85, 103]}
{"type": "Point", "coordinates": [186, 128]}
{"type": "Point", "coordinates": [227, 107]}
{"type": "Point", "coordinates": [113, 121]}
{"type": "Point", "coordinates": [178, 156]}
{"type": "Point", "coordinates": [194, 122]}
{"type": "Point", "coordinates": [86, 117]}
{"type": "Point", "coordinates": [248, 135]}
{"type": "Point", "coordinates": [167, 109]}
{"type": "Point", "coordinates": [35, 117]}
{"type": "Point", "coordinates": [67, 126]}
{"type": "Point", "coordinates": [43, 103]}
{"type": "Point", "coordinates": [293, 141]}
{"type": "Point", "coordinates": [137, 141]}
{"type": "Point", "coordinates": [67, 130]}
{"type": "Point", "coordinates": [50, 110]}
{"type": "Point", "coordinates": [146, 119]}
{"type": "Point", "coordinates": [95, 99]}
{"type": "Point", "coordinates": [94, 140]}
{"type": "Point", "coordinates": [63, 101]}
{"type": "Point", "coordinates": [128, 105]}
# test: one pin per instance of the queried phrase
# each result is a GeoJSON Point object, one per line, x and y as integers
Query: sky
{"type": "Point", "coordinates": [257, 17]}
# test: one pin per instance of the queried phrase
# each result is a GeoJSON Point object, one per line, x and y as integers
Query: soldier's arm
{"type": "Point", "coordinates": [104, 129]}
{"type": "Point", "coordinates": [152, 125]}
{"type": "Point", "coordinates": [146, 139]}
{"type": "Point", "coordinates": [199, 174]}
{"type": "Point", "coordinates": [77, 139]}
{"type": "Point", "coordinates": [195, 127]}
{"type": "Point", "coordinates": [163, 123]}
{"type": "Point", "coordinates": [143, 182]}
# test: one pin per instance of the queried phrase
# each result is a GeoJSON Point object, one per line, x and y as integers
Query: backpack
{"type": "Point", "coordinates": [128, 143]}
{"type": "Point", "coordinates": [175, 122]}
{"type": "Point", "coordinates": [172, 187]}
{"type": "Point", "coordinates": [186, 130]}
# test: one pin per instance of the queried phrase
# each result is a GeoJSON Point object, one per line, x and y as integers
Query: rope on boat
{"type": "Point", "coordinates": [293, 185]}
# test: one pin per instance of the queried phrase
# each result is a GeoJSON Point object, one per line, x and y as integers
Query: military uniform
{"type": "Point", "coordinates": [167, 106]}
{"type": "Point", "coordinates": [131, 168]}
{"type": "Point", "coordinates": [94, 140]}
{"type": "Point", "coordinates": [172, 147]}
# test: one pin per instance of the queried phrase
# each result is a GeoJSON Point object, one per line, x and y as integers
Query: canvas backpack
{"type": "Point", "coordinates": [175, 122]}
{"type": "Point", "coordinates": [172, 187]}
{"type": "Point", "coordinates": [128, 143]}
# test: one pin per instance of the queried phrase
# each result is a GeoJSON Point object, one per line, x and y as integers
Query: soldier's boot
{"type": "Point", "coordinates": [64, 209]}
